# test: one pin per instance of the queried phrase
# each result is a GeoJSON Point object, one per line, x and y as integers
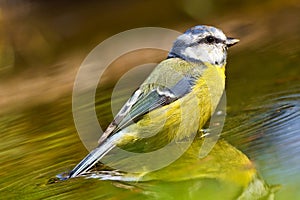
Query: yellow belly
{"type": "Point", "coordinates": [185, 116]}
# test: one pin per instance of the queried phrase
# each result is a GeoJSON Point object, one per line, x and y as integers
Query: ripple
{"type": "Point", "coordinates": [270, 134]}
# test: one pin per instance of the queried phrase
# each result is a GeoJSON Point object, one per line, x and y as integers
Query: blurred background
{"type": "Point", "coordinates": [43, 43]}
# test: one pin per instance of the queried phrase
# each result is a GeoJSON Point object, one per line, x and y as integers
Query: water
{"type": "Point", "coordinates": [268, 133]}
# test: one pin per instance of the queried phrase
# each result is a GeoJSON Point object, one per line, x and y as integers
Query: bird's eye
{"type": "Point", "coordinates": [210, 39]}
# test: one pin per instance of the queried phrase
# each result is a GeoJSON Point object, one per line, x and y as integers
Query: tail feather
{"type": "Point", "coordinates": [93, 157]}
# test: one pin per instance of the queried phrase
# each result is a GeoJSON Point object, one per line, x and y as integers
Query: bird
{"type": "Point", "coordinates": [176, 99]}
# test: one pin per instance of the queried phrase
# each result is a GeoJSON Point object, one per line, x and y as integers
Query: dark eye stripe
{"type": "Point", "coordinates": [210, 40]}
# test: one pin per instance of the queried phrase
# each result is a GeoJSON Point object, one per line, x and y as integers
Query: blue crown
{"type": "Point", "coordinates": [200, 29]}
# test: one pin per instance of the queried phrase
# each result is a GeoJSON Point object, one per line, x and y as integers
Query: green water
{"type": "Point", "coordinates": [40, 140]}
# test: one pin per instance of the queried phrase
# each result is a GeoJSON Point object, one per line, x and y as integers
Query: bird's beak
{"type": "Point", "coordinates": [231, 41]}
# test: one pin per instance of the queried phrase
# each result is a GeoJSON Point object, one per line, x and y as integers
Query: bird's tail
{"type": "Point", "coordinates": [93, 157]}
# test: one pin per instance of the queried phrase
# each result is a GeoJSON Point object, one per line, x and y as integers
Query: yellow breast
{"type": "Point", "coordinates": [187, 115]}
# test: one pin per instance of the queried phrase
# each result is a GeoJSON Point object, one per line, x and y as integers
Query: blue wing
{"type": "Point", "coordinates": [142, 103]}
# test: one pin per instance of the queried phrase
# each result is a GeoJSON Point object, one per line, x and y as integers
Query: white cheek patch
{"type": "Point", "coordinates": [207, 53]}
{"type": "Point", "coordinates": [191, 52]}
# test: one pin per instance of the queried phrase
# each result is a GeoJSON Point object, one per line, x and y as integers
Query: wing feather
{"type": "Point", "coordinates": [145, 99]}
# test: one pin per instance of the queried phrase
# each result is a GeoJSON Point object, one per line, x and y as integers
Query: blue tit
{"type": "Point", "coordinates": [177, 98]}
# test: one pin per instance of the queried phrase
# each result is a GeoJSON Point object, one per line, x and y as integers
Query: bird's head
{"type": "Point", "coordinates": [202, 44]}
